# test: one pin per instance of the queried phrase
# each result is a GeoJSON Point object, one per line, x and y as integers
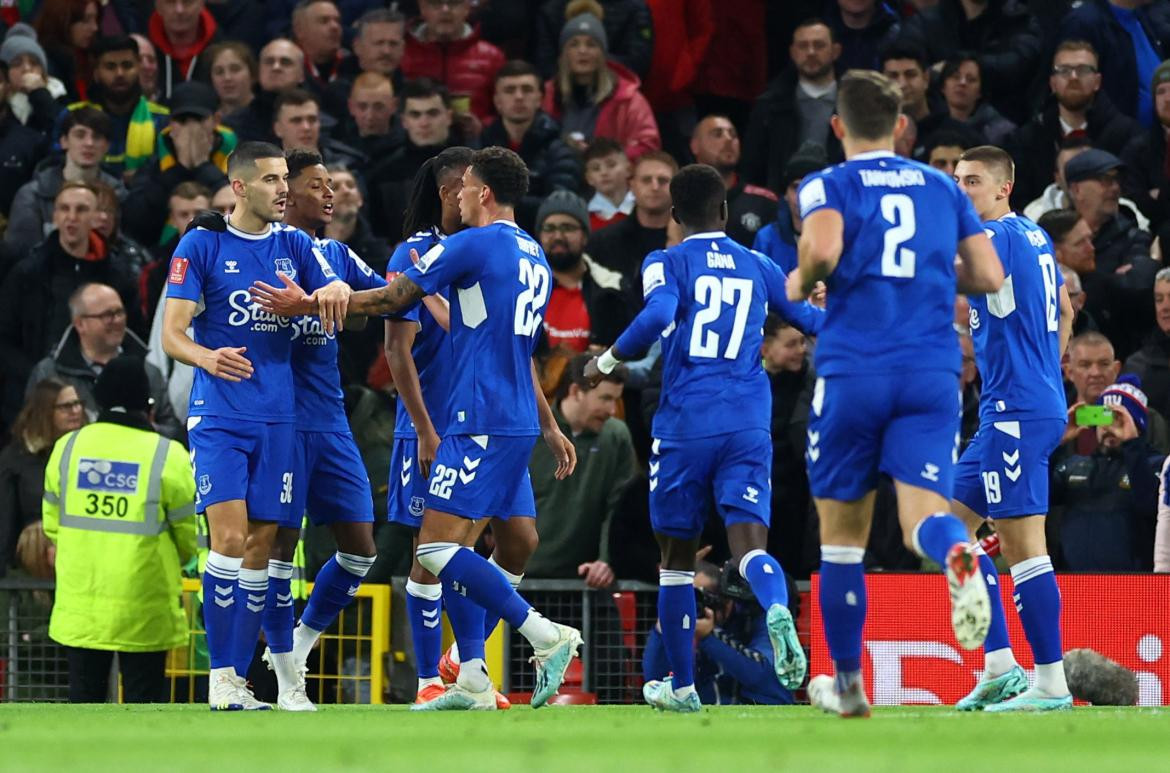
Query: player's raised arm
{"type": "Point", "coordinates": [979, 270]}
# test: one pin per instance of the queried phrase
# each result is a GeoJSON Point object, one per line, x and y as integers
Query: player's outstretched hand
{"type": "Point", "coordinates": [287, 301]}
{"type": "Point", "coordinates": [794, 287]}
{"type": "Point", "coordinates": [597, 574]}
{"type": "Point", "coordinates": [428, 446]}
{"type": "Point", "coordinates": [228, 363]}
{"type": "Point", "coordinates": [562, 450]}
{"type": "Point", "coordinates": [593, 373]}
{"type": "Point", "coordinates": [332, 302]}
{"type": "Point", "coordinates": [210, 219]}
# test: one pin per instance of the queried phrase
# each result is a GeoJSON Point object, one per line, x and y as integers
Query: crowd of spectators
{"type": "Point", "coordinates": [116, 120]}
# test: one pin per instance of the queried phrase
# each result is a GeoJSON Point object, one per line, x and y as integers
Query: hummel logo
{"type": "Point", "coordinates": [1012, 473]}
{"type": "Point", "coordinates": [352, 590]}
{"type": "Point", "coordinates": [231, 267]}
{"type": "Point", "coordinates": [752, 495]}
{"type": "Point", "coordinates": [224, 602]}
{"type": "Point", "coordinates": [654, 468]}
{"type": "Point", "coordinates": [404, 476]}
{"type": "Point", "coordinates": [431, 618]}
{"type": "Point", "coordinates": [1012, 458]}
{"type": "Point", "coordinates": [284, 600]}
{"type": "Point", "coordinates": [814, 454]}
{"type": "Point", "coordinates": [813, 437]}
{"type": "Point", "coordinates": [224, 590]}
{"type": "Point", "coordinates": [930, 472]}
{"type": "Point", "coordinates": [467, 474]}
{"type": "Point", "coordinates": [653, 483]}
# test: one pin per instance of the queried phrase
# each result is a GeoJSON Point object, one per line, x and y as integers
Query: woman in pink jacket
{"type": "Point", "coordinates": [594, 97]}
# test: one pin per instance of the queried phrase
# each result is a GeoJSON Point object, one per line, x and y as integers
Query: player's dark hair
{"type": "Point", "coordinates": [504, 172]}
{"type": "Point", "coordinates": [91, 118]}
{"type": "Point", "coordinates": [600, 147]}
{"type": "Point", "coordinates": [425, 209]}
{"type": "Point", "coordinates": [110, 44]}
{"type": "Point", "coordinates": [697, 194]}
{"type": "Point", "coordinates": [574, 373]}
{"type": "Point", "coordinates": [425, 88]}
{"type": "Point", "coordinates": [247, 154]}
{"type": "Point", "coordinates": [1057, 223]}
{"type": "Point", "coordinates": [301, 159]}
{"type": "Point", "coordinates": [868, 103]}
{"type": "Point", "coordinates": [516, 68]}
{"type": "Point", "coordinates": [904, 50]}
{"type": "Point", "coordinates": [997, 160]}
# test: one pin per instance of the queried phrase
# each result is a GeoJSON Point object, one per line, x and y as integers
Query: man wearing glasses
{"type": "Point", "coordinates": [1077, 107]}
{"type": "Point", "coordinates": [587, 306]}
{"type": "Point", "coordinates": [97, 335]}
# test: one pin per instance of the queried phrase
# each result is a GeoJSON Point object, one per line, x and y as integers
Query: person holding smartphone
{"type": "Point", "coordinates": [1110, 495]}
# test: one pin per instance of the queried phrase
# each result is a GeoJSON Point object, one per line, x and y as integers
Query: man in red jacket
{"type": "Point", "coordinates": [181, 30]}
{"type": "Point", "coordinates": [444, 47]}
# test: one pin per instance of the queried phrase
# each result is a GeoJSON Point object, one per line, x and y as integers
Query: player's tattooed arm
{"type": "Point", "coordinates": [400, 294]}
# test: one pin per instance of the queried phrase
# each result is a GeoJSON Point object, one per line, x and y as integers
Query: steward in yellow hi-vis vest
{"type": "Point", "coordinates": [119, 504]}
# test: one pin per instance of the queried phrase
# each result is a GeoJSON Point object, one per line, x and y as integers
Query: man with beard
{"type": "Point", "coordinates": [795, 108]}
{"type": "Point", "coordinates": [135, 121]}
{"type": "Point", "coordinates": [1077, 107]}
{"type": "Point", "coordinates": [749, 207]}
{"type": "Point", "coordinates": [587, 305]}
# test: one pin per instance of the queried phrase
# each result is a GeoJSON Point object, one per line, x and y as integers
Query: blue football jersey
{"type": "Point", "coordinates": [319, 399]}
{"type": "Point", "coordinates": [892, 294]}
{"type": "Point", "coordinates": [1016, 331]}
{"type": "Point", "coordinates": [217, 269]}
{"type": "Point", "coordinates": [713, 381]}
{"type": "Point", "coordinates": [499, 282]}
{"type": "Point", "coordinates": [432, 346]}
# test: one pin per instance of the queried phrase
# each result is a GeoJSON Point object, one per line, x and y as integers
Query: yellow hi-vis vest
{"type": "Point", "coordinates": [119, 504]}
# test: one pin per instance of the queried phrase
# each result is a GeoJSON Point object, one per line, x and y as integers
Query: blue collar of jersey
{"type": "Point", "coordinates": [707, 235]}
{"type": "Point", "coordinates": [873, 154]}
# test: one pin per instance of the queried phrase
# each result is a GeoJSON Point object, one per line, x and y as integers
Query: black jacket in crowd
{"type": "Point", "coordinates": [773, 134]}
{"type": "Point", "coordinates": [1094, 22]}
{"type": "Point", "coordinates": [628, 30]}
{"type": "Point", "coordinates": [1105, 506]}
{"type": "Point", "coordinates": [1152, 364]}
{"type": "Point", "coordinates": [552, 165]}
{"type": "Point", "coordinates": [1034, 145]}
{"type": "Point", "coordinates": [21, 149]}
{"type": "Point", "coordinates": [34, 309]}
{"type": "Point", "coordinates": [861, 49]}
{"type": "Point", "coordinates": [1004, 38]}
{"type": "Point", "coordinates": [1145, 171]}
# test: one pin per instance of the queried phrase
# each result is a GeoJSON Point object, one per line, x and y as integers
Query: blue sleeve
{"type": "Point", "coordinates": [315, 271]}
{"type": "Point", "coordinates": [817, 192]}
{"type": "Point", "coordinates": [445, 263]}
{"type": "Point", "coordinates": [189, 266]}
{"type": "Point", "coordinates": [399, 262]}
{"type": "Point", "coordinates": [765, 239]}
{"type": "Point", "coordinates": [804, 316]}
{"type": "Point", "coordinates": [358, 274]}
{"type": "Point", "coordinates": [969, 224]}
{"type": "Point", "coordinates": [654, 662]}
{"type": "Point", "coordinates": [661, 295]}
{"type": "Point", "coordinates": [750, 666]}
{"type": "Point", "coordinates": [1001, 240]}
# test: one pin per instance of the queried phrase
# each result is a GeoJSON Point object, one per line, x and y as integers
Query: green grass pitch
{"type": "Point", "coordinates": [628, 739]}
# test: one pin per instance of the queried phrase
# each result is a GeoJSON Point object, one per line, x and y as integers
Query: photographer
{"type": "Point", "coordinates": [733, 659]}
{"type": "Point", "coordinates": [1109, 495]}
